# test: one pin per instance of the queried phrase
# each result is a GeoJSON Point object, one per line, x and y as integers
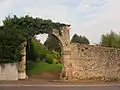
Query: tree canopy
{"type": "Point", "coordinates": [16, 30]}
{"type": "Point", "coordinates": [31, 26]}
{"type": "Point", "coordinates": [10, 41]}
{"type": "Point", "coordinates": [79, 39]}
{"type": "Point", "coordinates": [111, 39]}
{"type": "Point", "coordinates": [52, 43]}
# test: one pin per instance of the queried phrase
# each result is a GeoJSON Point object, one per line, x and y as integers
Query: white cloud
{"type": "Point", "coordinates": [102, 22]}
{"type": "Point", "coordinates": [88, 17]}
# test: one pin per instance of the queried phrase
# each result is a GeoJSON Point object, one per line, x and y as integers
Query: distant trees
{"type": "Point", "coordinates": [111, 39]}
{"type": "Point", "coordinates": [52, 43]}
{"type": "Point", "coordinates": [79, 39]}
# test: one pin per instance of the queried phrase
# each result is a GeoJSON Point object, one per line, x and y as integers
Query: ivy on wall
{"type": "Point", "coordinates": [16, 30]}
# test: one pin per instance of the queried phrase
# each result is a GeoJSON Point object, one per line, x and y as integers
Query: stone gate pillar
{"type": "Point", "coordinates": [22, 63]}
{"type": "Point", "coordinates": [64, 39]}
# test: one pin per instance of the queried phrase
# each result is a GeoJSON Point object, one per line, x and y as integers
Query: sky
{"type": "Point", "coordinates": [90, 18]}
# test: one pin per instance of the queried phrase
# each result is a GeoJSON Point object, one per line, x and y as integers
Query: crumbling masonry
{"type": "Point", "coordinates": [83, 61]}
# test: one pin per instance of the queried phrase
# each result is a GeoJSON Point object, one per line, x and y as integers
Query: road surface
{"type": "Point", "coordinates": [62, 87]}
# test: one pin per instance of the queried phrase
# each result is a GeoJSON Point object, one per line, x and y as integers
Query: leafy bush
{"type": "Point", "coordinates": [49, 58]}
{"type": "Point", "coordinates": [42, 53]}
{"type": "Point", "coordinates": [10, 48]}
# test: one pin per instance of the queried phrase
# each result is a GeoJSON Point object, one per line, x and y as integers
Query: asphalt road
{"type": "Point", "coordinates": [111, 87]}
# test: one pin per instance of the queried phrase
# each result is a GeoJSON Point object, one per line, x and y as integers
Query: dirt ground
{"type": "Point", "coordinates": [48, 77]}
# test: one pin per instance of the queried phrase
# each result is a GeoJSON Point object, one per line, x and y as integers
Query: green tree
{"type": "Point", "coordinates": [79, 39]}
{"type": "Point", "coordinates": [85, 40]}
{"type": "Point", "coordinates": [111, 39]}
{"type": "Point", "coordinates": [75, 38]}
{"type": "Point", "coordinates": [10, 47]}
{"type": "Point", "coordinates": [52, 43]}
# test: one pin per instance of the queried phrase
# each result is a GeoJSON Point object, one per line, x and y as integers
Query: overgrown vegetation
{"type": "Point", "coordinates": [16, 30]}
{"type": "Point", "coordinates": [39, 52]}
{"type": "Point", "coordinates": [10, 46]}
{"type": "Point", "coordinates": [40, 58]}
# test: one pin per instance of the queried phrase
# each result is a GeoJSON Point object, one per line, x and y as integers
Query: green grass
{"type": "Point", "coordinates": [35, 67]}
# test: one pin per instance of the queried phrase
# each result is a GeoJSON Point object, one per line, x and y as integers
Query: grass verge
{"type": "Point", "coordinates": [35, 67]}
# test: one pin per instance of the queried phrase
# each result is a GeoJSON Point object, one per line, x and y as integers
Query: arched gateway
{"type": "Point", "coordinates": [64, 40]}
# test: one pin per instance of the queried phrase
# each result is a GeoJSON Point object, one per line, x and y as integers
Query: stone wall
{"type": "Point", "coordinates": [95, 62]}
{"type": "Point", "coordinates": [8, 71]}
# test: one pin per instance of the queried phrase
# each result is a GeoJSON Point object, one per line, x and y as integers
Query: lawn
{"type": "Point", "coordinates": [35, 67]}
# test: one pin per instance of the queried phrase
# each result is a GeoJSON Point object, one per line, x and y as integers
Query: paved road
{"type": "Point", "coordinates": [99, 87]}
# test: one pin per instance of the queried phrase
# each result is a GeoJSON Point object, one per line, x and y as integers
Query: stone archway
{"type": "Point", "coordinates": [64, 39]}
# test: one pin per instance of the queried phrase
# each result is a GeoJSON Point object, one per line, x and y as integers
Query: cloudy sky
{"type": "Point", "coordinates": [87, 17]}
